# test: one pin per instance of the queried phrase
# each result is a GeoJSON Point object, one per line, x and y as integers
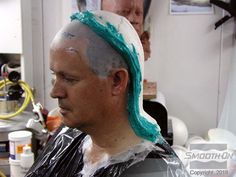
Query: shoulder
{"type": "Point", "coordinates": [160, 162]}
{"type": "Point", "coordinates": [63, 147]}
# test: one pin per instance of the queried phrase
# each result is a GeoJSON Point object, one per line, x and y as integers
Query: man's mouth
{"type": "Point", "coordinates": [63, 110]}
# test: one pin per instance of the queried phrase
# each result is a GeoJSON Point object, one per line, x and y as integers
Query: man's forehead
{"type": "Point", "coordinates": [71, 36]}
{"type": "Point", "coordinates": [68, 40]}
{"type": "Point", "coordinates": [130, 2]}
{"type": "Point", "coordinates": [113, 4]}
{"type": "Point", "coordinates": [74, 29]}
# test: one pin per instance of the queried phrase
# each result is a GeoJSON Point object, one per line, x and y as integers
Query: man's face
{"type": "Point", "coordinates": [82, 95]}
{"type": "Point", "coordinates": [131, 9]}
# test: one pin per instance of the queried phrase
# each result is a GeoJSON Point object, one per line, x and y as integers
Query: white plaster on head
{"type": "Point", "coordinates": [130, 35]}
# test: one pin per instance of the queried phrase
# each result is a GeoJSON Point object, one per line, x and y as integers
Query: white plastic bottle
{"type": "Point", "coordinates": [27, 158]}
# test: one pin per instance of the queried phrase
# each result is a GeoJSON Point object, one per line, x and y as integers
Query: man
{"type": "Point", "coordinates": [133, 10]}
{"type": "Point", "coordinates": [97, 62]}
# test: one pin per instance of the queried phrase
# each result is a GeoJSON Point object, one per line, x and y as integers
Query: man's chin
{"type": "Point", "coordinates": [66, 121]}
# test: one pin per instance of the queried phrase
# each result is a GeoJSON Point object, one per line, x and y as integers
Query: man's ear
{"type": "Point", "coordinates": [119, 81]}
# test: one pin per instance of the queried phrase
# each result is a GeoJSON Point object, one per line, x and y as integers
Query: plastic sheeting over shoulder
{"type": "Point", "coordinates": [63, 157]}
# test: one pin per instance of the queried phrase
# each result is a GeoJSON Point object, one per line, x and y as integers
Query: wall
{"type": "Point", "coordinates": [16, 34]}
{"type": "Point", "coordinates": [37, 49]}
{"type": "Point", "coordinates": [48, 17]}
{"type": "Point", "coordinates": [11, 33]}
{"type": "Point", "coordinates": [190, 62]}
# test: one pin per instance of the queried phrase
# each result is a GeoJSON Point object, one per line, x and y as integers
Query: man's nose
{"type": "Point", "coordinates": [57, 90]}
{"type": "Point", "coordinates": [133, 18]}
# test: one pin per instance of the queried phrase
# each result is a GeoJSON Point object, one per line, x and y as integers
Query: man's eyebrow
{"type": "Point", "coordinates": [68, 35]}
{"type": "Point", "coordinates": [64, 74]}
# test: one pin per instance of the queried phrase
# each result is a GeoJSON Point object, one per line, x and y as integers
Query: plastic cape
{"type": "Point", "coordinates": [63, 157]}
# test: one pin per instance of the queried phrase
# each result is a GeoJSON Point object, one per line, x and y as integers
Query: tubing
{"type": "Point", "coordinates": [2, 174]}
{"type": "Point", "coordinates": [28, 97]}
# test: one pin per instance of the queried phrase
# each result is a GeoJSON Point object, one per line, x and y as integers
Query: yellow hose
{"type": "Point", "coordinates": [28, 97]}
{"type": "Point", "coordinates": [2, 174]}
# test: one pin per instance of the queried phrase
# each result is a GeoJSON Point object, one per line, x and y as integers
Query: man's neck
{"type": "Point", "coordinates": [116, 141]}
{"type": "Point", "coordinates": [112, 140]}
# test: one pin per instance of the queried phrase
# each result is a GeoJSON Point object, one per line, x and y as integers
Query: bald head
{"type": "Point", "coordinates": [80, 39]}
{"type": "Point", "coordinates": [92, 50]}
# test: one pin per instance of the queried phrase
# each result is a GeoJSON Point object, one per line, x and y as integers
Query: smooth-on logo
{"type": "Point", "coordinates": [208, 156]}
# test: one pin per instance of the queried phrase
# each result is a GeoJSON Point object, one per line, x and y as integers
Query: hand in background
{"type": "Point", "coordinates": [146, 44]}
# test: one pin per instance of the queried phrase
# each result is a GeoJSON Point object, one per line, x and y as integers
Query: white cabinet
{"type": "Point", "coordinates": [10, 26]}
{"type": "Point", "coordinates": [16, 33]}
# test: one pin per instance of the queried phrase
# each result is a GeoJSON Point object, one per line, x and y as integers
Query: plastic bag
{"type": "Point", "coordinates": [63, 157]}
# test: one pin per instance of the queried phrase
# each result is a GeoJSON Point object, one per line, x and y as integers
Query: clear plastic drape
{"type": "Point", "coordinates": [228, 116]}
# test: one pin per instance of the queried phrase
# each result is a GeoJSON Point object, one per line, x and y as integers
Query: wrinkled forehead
{"type": "Point", "coordinates": [124, 4]}
{"type": "Point", "coordinates": [115, 4]}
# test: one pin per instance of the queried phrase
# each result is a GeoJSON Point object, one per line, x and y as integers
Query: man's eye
{"type": "Point", "coordinates": [125, 12]}
{"type": "Point", "coordinates": [53, 81]}
{"type": "Point", "coordinates": [139, 13]}
{"type": "Point", "coordinates": [70, 80]}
